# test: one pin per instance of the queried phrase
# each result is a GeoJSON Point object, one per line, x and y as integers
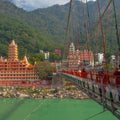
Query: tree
{"type": "Point", "coordinates": [36, 58]}
{"type": "Point", "coordinates": [44, 69]}
{"type": "Point", "coordinates": [54, 57]}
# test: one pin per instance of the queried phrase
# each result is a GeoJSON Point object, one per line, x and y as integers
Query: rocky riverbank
{"type": "Point", "coordinates": [64, 92]}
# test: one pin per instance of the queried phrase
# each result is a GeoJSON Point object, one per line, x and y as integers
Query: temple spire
{"type": "Point", "coordinates": [1, 59]}
{"type": "Point", "coordinates": [72, 47]}
{"type": "Point", "coordinates": [13, 51]}
{"type": "Point", "coordinates": [25, 59]}
{"type": "Point", "coordinates": [13, 43]}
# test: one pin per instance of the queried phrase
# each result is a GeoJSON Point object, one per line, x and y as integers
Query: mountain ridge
{"type": "Point", "coordinates": [43, 28]}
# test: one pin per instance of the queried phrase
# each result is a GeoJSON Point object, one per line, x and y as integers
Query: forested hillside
{"type": "Point", "coordinates": [45, 28]}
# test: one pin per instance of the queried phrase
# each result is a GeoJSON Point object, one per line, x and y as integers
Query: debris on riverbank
{"type": "Point", "coordinates": [43, 93]}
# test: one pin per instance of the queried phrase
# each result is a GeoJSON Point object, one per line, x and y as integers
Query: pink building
{"type": "Point", "coordinates": [78, 58]}
{"type": "Point", "coordinates": [58, 52]}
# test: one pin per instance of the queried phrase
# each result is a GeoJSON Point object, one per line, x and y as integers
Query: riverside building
{"type": "Point", "coordinates": [77, 58]}
{"type": "Point", "coordinates": [14, 71]}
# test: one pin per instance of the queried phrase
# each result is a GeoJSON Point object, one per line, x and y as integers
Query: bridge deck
{"type": "Point", "coordinates": [106, 95]}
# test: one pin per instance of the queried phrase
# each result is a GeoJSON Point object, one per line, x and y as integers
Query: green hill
{"type": "Point", "coordinates": [45, 28]}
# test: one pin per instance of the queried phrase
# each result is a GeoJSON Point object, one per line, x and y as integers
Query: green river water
{"type": "Point", "coordinates": [52, 109]}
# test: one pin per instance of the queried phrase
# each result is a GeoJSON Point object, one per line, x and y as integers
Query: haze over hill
{"type": "Point", "coordinates": [30, 5]}
{"type": "Point", "coordinates": [43, 28]}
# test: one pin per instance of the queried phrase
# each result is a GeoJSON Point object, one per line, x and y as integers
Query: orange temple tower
{"type": "Point", "coordinates": [13, 52]}
{"type": "Point", "coordinates": [15, 72]}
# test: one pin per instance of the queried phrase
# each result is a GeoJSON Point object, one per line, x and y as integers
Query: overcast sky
{"type": "Point", "coordinates": [34, 4]}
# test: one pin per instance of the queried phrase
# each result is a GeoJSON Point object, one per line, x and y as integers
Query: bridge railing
{"type": "Point", "coordinates": [103, 88]}
{"type": "Point", "coordinates": [104, 78]}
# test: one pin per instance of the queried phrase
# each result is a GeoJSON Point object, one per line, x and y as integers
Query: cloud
{"type": "Point", "coordinates": [34, 4]}
{"type": "Point", "coordinates": [37, 3]}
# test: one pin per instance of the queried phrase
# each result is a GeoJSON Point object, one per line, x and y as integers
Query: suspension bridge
{"type": "Point", "coordinates": [101, 81]}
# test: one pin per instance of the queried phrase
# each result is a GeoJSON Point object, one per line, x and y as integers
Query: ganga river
{"type": "Point", "coordinates": [52, 109]}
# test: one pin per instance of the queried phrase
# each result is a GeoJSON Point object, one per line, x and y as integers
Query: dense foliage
{"type": "Point", "coordinates": [45, 28]}
{"type": "Point", "coordinates": [44, 69]}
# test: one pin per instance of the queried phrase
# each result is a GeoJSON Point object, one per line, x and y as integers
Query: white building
{"type": "Point", "coordinates": [47, 55]}
{"type": "Point", "coordinates": [100, 58]}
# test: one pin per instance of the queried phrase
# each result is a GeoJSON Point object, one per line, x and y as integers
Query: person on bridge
{"type": "Point", "coordinates": [117, 76]}
{"type": "Point", "coordinates": [100, 75]}
{"type": "Point", "coordinates": [117, 71]}
{"type": "Point", "coordinates": [84, 73]}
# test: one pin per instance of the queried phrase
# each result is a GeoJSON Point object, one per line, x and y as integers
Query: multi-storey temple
{"type": "Point", "coordinates": [13, 70]}
{"type": "Point", "coordinates": [78, 58]}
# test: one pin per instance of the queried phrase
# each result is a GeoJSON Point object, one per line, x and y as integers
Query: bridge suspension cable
{"type": "Point", "coordinates": [67, 30]}
{"type": "Point", "coordinates": [93, 80]}
{"type": "Point", "coordinates": [117, 33]}
{"type": "Point", "coordinates": [101, 16]}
